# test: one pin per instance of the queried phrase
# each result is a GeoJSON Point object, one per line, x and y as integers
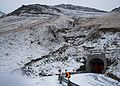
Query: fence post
{"type": "Point", "coordinates": [69, 82]}
{"type": "Point", "coordinates": [60, 79]}
{"type": "Point", "coordinates": [60, 76]}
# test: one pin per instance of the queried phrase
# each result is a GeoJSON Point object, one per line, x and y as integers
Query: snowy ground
{"type": "Point", "coordinates": [93, 80]}
{"type": "Point", "coordinates": [80, 79]}
{"type": "Point", "coordinates": [18, 80]}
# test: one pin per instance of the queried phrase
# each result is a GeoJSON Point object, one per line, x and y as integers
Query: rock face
{"type": "Point", "coordinates": [116, 10]}
{"type": "Point", "coordinates": [40, 39]}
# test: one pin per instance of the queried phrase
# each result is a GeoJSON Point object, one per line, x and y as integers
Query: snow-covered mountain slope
{"type": "Point", "coordinates": [66, 9]}
{"type": "Point", "coordinates": [35, 9]}
{"type": "Point", "coordinates": [38, 43]}
{"type": "Point", "coordinates": [79, 39]}
{"type": "Point", "coordinates": [73, 7]}
{"type": "Point", "coordinates": [116, 10]}
{"type": "Point", "coordinates": [77, 11]}
{"type": "Point", "coordinates": [110, 20]}
{"type": "Point", "coordinates": [1, 13]}
{"type": "Point", "coordinates": [21, 43]}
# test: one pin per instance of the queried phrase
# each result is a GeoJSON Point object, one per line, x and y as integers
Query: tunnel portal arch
{"type": "Point", "coordinates": [96, 63]}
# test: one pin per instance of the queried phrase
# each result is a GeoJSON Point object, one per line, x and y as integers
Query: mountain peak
{"type": "Point", "coordinates": [116, 10]}
{"type": "Point", "coordinates": [35, 9]}
{"type": "Point", "coordinates": [46, 9]}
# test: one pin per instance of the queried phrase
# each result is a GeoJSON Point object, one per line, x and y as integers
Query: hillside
{"type": "Point", "coordinates": [80, 8]}
{"type": "Point", "coordinates": [1, 13]}
{"type": "Point", "coordinates": [116, 10]}
{"type": "Point", "coordinates": [37, 40]}
{"type": "Point", "coordinates": [66, 9]}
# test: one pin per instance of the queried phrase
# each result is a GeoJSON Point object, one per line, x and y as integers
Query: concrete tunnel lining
{"type": "Point", "coordinates": [98, 57]}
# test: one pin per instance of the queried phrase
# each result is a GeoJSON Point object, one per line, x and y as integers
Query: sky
{"type": "Point", "coordinates": [7, 6]}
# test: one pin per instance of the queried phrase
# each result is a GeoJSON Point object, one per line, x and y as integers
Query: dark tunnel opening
{"type": "Point", "coordinates": [96, 66]}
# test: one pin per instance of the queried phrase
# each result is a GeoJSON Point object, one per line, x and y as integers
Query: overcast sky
{"type": "Point", "coordinates": [7, 6]}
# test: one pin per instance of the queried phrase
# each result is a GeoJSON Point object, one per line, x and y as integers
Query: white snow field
{"type": "Point", "coordinates": [93, 80]}
{"type": "Point", "coordinates": [80, 79]}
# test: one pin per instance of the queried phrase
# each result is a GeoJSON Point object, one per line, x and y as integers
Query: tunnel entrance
{"type": "Point", "coordinates": [96, 65]}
